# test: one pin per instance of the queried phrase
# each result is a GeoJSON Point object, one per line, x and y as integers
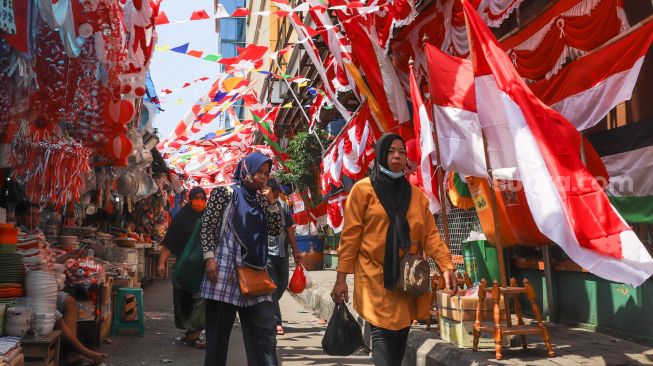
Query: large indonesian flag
{"type": "Point", "coordinates": [426, 149]}
{"type": "Point", "coordinates": [451, 83]}
{"type": "Point", "coordinates": [543, 150]}
{"type": "Point", "coordinates": [588, 88]}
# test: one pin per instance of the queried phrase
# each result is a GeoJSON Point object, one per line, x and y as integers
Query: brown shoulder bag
{"type": "Point", "coordinates": [254, 282]}
{"type": "Point", "coordinates": [414, 274]}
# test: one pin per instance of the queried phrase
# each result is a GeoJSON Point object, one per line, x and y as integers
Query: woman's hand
{"type": "Point", "coordinates": [211, 270]}
{"type": "Point", "coordinates": [161, 269]}
{"type": "Point", "coordinates": [267, 192]}
{"type": "Point", "coordinates": [450, 281]}
{"type": "Point", "coordinates": [340, 292]}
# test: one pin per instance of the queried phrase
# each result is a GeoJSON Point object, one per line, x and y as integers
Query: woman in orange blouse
{"type": "Point", "coordinates": [384, 214]}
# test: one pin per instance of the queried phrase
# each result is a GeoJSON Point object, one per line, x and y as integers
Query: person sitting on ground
{"type": "Point", "coordinates": [75, 353]}
{"type": "Point", "coordinates": [278, 264]}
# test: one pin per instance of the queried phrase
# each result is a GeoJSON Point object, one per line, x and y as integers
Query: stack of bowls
{"type": "Point", "coordinates": [3, 309]}
{"type": "Point", "coordinates": [44, 323]}
{"type": "Point", "coordinates": [18, 321]}
{"type": "Point", "coordinates": [42, 290]}
{"type": "Point", "coordinates": [8, 238]}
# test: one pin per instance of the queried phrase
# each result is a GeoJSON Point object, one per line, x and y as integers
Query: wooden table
{"type": "Point", "coordinates": [42, 351]}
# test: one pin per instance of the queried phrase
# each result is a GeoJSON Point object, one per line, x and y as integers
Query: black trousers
{"type": "Point", "coordinates": [259, 332]}
{"type": "Point", "coordinates": [278, 268]}
{"type": "Point", "coordinates": [388, 346]}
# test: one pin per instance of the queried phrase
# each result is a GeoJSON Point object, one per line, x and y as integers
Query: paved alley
{"type": "Point", "coordinates": [301, 345]}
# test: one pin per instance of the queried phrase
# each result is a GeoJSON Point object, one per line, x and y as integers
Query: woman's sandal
{"type": "Point", "coordinates": [280, 330]}
{"type": "Point", "coordinates": [198, 343]}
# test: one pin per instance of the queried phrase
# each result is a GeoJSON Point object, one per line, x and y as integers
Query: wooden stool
{"type": "Point", "coordinates": [42, 351]}
{"type": "Point", "coordinates": [509, 329]}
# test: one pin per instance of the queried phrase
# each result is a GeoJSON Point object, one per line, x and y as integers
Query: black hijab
{"type": "Point", "coordinates": [182, 225]}
{"type": "Point", "coordinates": [394, 195]}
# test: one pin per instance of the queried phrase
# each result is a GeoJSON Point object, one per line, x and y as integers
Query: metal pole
{"type": "Point", "coordinates": [300, 106]}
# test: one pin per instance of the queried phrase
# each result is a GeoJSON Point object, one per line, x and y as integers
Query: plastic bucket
{"type": "Point", "coordinates": [481, 260]}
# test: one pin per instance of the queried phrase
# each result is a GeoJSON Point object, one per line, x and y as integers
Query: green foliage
{"type": "Point", "coordinates": [305, 155]}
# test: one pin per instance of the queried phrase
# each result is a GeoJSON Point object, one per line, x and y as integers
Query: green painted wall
{"type": "Point", "coordinates": [587, 300]}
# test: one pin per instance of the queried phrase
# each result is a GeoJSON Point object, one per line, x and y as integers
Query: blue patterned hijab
{"type": "Point", "coordinates": [249, 222]}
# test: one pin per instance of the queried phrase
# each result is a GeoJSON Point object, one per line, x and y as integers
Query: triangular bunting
{"type": "Point", "coordinates": [181, 49]}
{"type": "Point", "coordinates": [199, 14]}
{"type": "Point", "coordinates": [162, 18]}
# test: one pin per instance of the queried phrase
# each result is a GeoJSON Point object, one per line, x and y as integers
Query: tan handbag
{"type": "Point", "coordinates": [414, 274]}
{"type": "Point", "coordinates": [254, 282]}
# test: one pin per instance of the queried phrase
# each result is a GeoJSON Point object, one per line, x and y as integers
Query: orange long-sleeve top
{"type": "Point", "coordinates": [362, 252]}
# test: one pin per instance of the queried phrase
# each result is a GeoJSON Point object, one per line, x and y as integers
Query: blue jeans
{"type": "Point", "coordinates": [278, 268]}
{"type": "Point", "coordinates": [388, 346]}
{"type": "Point", "coordinates": [259, 335]}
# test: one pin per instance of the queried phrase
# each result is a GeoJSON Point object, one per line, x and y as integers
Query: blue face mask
{"type": "Point", "coordinates": [389, 173]}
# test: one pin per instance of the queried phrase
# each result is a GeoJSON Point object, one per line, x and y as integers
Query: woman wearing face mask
{"type": "Point", "coordinates": [234, 233]}
{"type": "Point", "coordinates": [189, 308]}
{"type": "Point", "coordinates": [384, 216]}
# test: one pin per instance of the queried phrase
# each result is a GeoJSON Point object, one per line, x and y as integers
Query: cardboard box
{"type": "Point", "coordinates": [464, 307]}
{"type": "Point", "coordinates": [461, 333]}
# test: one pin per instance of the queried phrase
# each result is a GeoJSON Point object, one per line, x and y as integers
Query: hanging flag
{"type": "Point", "coordinates": [195, 53]}
{"type": "Point", "coordinates": [627, 153]}
{"type": "Point", "coordinates": [212, 58]}
{"type": "Point", "coordinates": [199, 15]}
{"type": "Point", "coordinates": [181, 49]}
{"type": "Point", "coordinates": [240, 12]}
{"type": "Point", "coordinates": [543, 149]}
{"type": "Point", "coordinates": [248, 59]}
{"type": "Point", "coordinates": [287, 105]}
{"type": "Point", "coordinates": [451, 83]}
{"type": "Point", "coordinates": [585, 90]}
{"type": "Point", "coordinates": [162, 18]}
{"type": "Point", "coordinates": [426, 148]}
{"type": "Point", "coordinates": [265, 125]}
{"type": "Point", "coordinates": [221, 12]}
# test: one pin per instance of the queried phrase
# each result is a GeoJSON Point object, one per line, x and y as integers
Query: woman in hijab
{"type": "Point", "coordinates": [189, 314]}
{"type": "Point", "coordinates": [234, 232]}
{"type": "Point", "coordinates": [384, 216]}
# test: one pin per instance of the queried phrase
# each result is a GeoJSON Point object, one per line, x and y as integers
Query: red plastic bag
{"type": "Point", "coordinates": [297, 283]}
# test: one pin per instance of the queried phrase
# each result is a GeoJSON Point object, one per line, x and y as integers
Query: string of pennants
{"type": "Point", "coordinates": [299, 80]}
{"type": "Point", "coordinates": [162, 18]}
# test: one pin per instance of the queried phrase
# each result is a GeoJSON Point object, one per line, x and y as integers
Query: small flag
{"type": "Point", "coordinates": [287, 105]}
{"type": "Point", "coordinates": [212, 58]}
{"type": "Point", "coordinates": [181, 49]}
{"type": "Point", "coordinates": [161, 19]}
{"type": "Point", "coordinates": [199, 15]}
{"type": "Point", "coordinates": [240, 12]}
{"type": "Point", "coordinates": [195, 53]}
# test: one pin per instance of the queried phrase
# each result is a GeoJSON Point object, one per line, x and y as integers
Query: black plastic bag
{"type": "Point", "coordinates": [343, 335]}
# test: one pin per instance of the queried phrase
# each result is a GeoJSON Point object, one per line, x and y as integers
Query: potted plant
{"type": "Point", "coordinates": [302, 173]}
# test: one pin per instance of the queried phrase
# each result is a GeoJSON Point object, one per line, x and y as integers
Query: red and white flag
{"type": "Point", "coordinates": [589, 87]}
{"type": "Point", "coordinates": [451, 84]}
{"type": "Point", "coordinates": [567, 203]}
{"type": "Point", "coordinates": [426, 148]}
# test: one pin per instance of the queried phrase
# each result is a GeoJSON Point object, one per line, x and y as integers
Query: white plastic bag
{"type": "Point", "coordinates": [309, 280]}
